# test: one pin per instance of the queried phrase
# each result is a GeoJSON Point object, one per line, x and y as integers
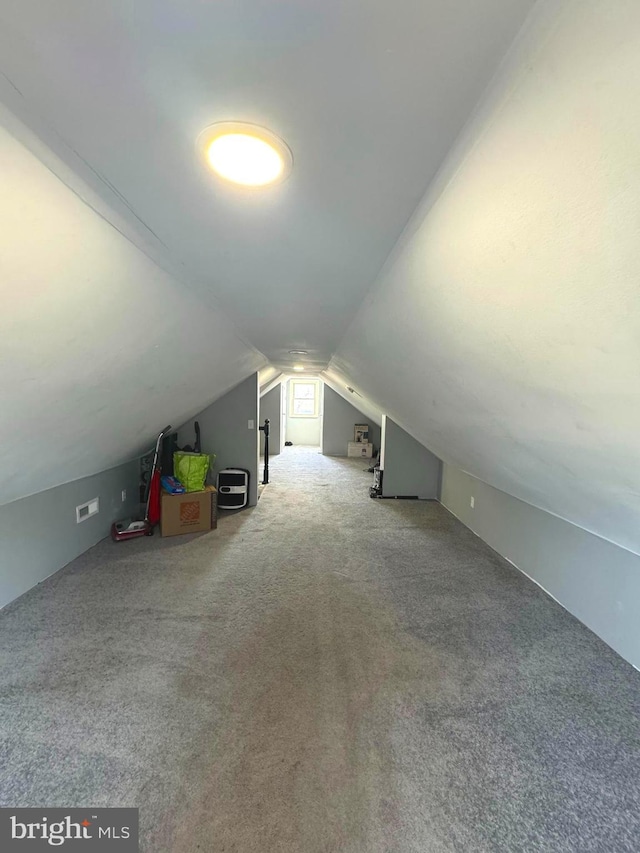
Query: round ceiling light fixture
{"type": "Point", "coordinates": [298, 352]}
{"type": "Point", "coordinates": [245, 154]}
{"type": "Point", "coordinates": [298, 367]}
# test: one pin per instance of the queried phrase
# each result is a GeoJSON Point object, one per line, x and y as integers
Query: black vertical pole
{"type": "Point", "coordinates": [265, 429]}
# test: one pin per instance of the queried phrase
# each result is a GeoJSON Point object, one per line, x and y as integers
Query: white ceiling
{"type": "Point", "coordinates": [369, 95]}
{"type": "Point", "coordinates": [502, 330]}
{"type": "Point", "coordinates": [99, 348]}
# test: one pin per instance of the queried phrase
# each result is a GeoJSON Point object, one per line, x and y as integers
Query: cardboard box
{"type": "Point", "coordinates": [193, 512]}
{"type": "Point", "coordinates": [358, 448]}
{"type": "Point", "coordinates": [361, 433]}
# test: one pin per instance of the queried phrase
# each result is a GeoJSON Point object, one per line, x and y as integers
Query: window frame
{"type": "Point", "coordinates": [316, 397]}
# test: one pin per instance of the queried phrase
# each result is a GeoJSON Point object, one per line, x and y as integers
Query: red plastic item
{"type": "Point", "coordinates": [131, 528]}
{"type": "Point", "coordinates": [153, 514]}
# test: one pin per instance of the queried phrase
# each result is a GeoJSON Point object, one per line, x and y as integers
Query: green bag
{"type": "Point", "coordinates": [191, 469]}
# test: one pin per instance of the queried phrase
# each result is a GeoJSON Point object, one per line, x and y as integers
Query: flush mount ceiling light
{"type": "Point", "coordinates": [245, 154]}
{"type": "Point", "coordinates": [298, 352]}
{"type": "Point", "coordinates": [298, 367]}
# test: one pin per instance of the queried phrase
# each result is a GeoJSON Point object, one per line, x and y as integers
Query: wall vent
{"type": "Point", "coordinates": [85, 511]}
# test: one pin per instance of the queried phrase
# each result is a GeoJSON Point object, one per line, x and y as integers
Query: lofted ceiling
{"type": "Point", "coordinates": [369, 95]}
{"type": "Point", "coordinates": [504, 329]}
{"type": "Point", "coordinates": [99, 348]}
{"type": "Point", "coordinates": [466, 262]}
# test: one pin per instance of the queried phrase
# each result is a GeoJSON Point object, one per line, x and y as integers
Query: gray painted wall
{"type": "Point", "coordinates": [409, 468]}
{"type": "Point", "coordinates": [339, 418]}
{"type": "Point", "coordinates": [224, 431]}
{"type": "Point", "coordinates": [597, 581]}
{"type": "Point", "coordinates": [39, 534]}
{"type": "Point", "coordinates": [271, 407]}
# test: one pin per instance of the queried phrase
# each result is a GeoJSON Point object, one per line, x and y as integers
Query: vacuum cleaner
{"type": "Point", "coordinates": [130, 528]}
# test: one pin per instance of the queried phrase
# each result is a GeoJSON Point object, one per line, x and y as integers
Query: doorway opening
{"type": "Point", "coordinates": [294, 408]}
{"type": "Point", "coordinates": [302, 412]}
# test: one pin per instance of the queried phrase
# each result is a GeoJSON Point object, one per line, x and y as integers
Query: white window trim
{"type": "Point", "coordinates": [316, 397]}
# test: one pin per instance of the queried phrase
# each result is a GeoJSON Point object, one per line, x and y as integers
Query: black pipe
{"type": "Point", "coordinates": [265, 429]}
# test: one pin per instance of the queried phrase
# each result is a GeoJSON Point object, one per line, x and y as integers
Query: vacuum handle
{"type": "Point", "coordinates": [154, 467]}
{"type": "Point", "coordinates": [156, 454]}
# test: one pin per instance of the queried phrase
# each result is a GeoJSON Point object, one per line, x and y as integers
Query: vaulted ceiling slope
{"type": "Point", "coordinates": [504, 331]}
{"type": "Point", "coordinates": [99, 348]}
{"type": "Point", "coordinates": [342, 384]}
{"type": "Point", "coordinates": [368, 94]}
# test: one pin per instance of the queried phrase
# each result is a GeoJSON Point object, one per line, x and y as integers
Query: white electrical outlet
{"type": "Point", "coordinates": [251, 425]}
{"type": "Point", "coordinates": [472, 502]}
{"type": "Point", "coordinates": [124, 495]}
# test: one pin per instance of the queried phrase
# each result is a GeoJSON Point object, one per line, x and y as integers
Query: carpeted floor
{"type": "Point", "coordinates": [325, 672]}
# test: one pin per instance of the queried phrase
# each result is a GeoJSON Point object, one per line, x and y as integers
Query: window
{"type": "Point", "coordinates": [304, 399]}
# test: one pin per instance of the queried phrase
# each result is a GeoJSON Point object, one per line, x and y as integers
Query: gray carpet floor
{"type": "Point", "coordinates": [324, 672]}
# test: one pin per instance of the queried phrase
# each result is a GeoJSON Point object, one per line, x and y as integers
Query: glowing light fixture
{"type": "Point", "coordinates": [298, 367]}
{"type": "Point", "coordinates": [245, 154]}
{"type": "Point", "coordinates": [298, 352]}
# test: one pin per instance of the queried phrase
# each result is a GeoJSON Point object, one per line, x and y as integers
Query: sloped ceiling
{"type": "Point", "coordinates": [504, 331]}
{"type": "Point", "coordinates": [368, 94]}
{"type": "Point", "coordinates": [342, 385]}
{"type": "Point", "coordinates": [136, 289]}
{"type": "Point", "coordinates": [99, 348]}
